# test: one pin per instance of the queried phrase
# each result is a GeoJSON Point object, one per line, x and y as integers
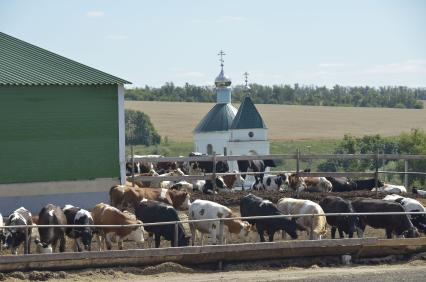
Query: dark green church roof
{"type": "Point", "coordinates": [247, 116]}
{"type": "Point", "coordinates": [22, 63]}
{"type": "Point", "coordinates": [219, 118]}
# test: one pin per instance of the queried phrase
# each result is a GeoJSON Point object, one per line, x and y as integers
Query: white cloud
{"type": "Point", "coordinates": [117, 37]}
{"type": "Point", "coordinates": [95, 14]}
{"type": "Point", "coordinates": [408, 66]}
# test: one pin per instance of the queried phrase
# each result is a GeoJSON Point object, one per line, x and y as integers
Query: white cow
{"type": "Point", "coordinates": [392, 189]}
{"type": "Point", "coordinates": [202, 209]}
{"type": "Point", "coordinates": [297, 206]}
{"type": "Point", "coordinates": [419, 192]}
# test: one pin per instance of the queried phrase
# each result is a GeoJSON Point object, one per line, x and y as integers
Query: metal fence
{"type": "Point", "coordinates": [297, 156]}
{"type": "Point", "coordinates": [220, 220]}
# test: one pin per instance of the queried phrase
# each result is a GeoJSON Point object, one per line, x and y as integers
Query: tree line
{"type": "Point", "coordinates": [413, 143]}
{"type": "Point", "coordinates": [358, 96]}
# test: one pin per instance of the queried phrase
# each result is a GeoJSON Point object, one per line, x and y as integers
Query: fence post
{"type": "Point", "coordinates": [26, 251]}
{"type": "Point", "coordinates": [311, 234]}
{"type": "Point", "coordinates": [406, 174]}
{"type": "Point", "coordinates": [176, 234]}
{"type": "Point", "coordinates": [297, 160]}
{"type": "Point", "coordinates": [133, 166]}
{"type": "Point", "coordinates": [214, 175]}
{"type": "Point", "coordinates": [376, 174]}
{"type": "Point", "coordinates": [221, 231]}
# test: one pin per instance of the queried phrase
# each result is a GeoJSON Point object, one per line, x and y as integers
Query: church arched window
{"type": "Point", "coordinates": [209, 149]}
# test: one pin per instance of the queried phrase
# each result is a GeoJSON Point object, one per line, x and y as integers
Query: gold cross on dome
{"type": "Point", "coordinates": [221, 54]}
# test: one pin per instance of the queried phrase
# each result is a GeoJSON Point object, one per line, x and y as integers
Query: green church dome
{"type": "Point", "coordinates": [219, 118]}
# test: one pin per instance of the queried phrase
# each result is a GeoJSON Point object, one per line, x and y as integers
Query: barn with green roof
{"type": "Point", "coordinates": [62, 129]}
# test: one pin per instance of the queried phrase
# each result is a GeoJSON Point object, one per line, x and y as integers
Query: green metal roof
{"type": "Point", "coordinates": [22, 63]}
{"type": "Point", "coordinates": [247, 116]}
{"type": "Point", "coordinates": [219, 118]}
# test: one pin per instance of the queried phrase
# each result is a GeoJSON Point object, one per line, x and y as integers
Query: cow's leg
{"type": "Point", "coordinates": [283, 235]}
{"type": "Point", "coordinates": [333, 232]}
{"type": "Point", "coordinates": [100, 240]}
{"type": "Point", "coordinates": [77, 242]}
{"type": "Point", "coordinates": [389, 233]}
{"type": "Point", "coordinates": [54, 246]}
{"type": "Point", "coordinates": [62, 243]}
{"type": "Point", "coordinates": [157, 240]}
{"type": "Point", "coordinates": [108, 241]}
{"type": "Point", "coordinates": [351, 234]}
{"type": "Point", "coordinates": [271, 235]}
{"type": "Point", "coordinates": [193, 233]}
{"type": "Point", "coordinates": [341, 234]}
{"type": "Point", "coordinates": [150, 235]}
{"type": "Point", "coordinates": [261, 235]}
{"type": "Point", "coordinates": [120, 243]}
{"type": "Point", "coordinates": [29, 244]}
{"type": "Point", "coordinates": [201, 239]}
{"type": "Point", "coordinates": [360, 228]}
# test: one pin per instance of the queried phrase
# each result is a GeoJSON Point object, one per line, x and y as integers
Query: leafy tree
{"type": "Point", "coordinates": [392, 97]}
{"type": "Point", "coordinates": [139, 129]}
{"type": "Point", "coordinates": [414, 143]}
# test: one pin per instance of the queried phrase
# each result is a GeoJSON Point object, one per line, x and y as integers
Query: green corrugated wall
{"type": "Point", "coordinates": [50, 133]}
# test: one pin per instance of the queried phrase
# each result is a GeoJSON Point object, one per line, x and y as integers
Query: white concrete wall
{"type": "Point", "coordinates": [218, 139]}
{"type": "Point", "coordinates": [243, 134]}
{"type": "Point", "coordinates": [33, 196]}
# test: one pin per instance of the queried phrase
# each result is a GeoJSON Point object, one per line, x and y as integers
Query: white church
{"type": "Point", "coordinates": [228, 131]}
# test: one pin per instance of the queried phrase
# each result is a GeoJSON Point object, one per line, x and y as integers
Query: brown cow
{"type": "Point", "coordinates": [177, 199]}
{"type": "Point", "coordinates": [234, 180]}
{"type": "Point", "coordinates": [104, 214]}
{"type": "Point", "coordinates": [311, 184]}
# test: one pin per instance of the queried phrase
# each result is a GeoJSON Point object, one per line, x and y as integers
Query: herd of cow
{"type": "Point", "coordinates": [136, 207]}
{"type": "Point", "coordinates": [262, 181]}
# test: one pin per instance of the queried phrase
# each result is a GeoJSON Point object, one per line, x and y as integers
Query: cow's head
{"type": "Point", "coordinates": [411, 233]}
{"type": "Point", "coordinates": [179, 199]}
{"type": "Point", "coordinates": [137, 234]}
{"type": "Point", "coordinates": [291, 227]}
{"type": "Point", "coordinates": [43, 248]}
{"type": "Point", "coordinates": [247, 233]}
{"type": "Point", "coordinates": [296, 183]}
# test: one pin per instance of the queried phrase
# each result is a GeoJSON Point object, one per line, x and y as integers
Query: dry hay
{"type": "Point", "coordinates": [177, 120]}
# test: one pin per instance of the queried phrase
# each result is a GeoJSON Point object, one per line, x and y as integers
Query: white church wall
{"type": "Point", "coordinates": [218, 140]}
{"type": "Point", "coordinates": [259, 134]}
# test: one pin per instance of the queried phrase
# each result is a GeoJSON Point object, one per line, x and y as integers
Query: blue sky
{"type": "Point", "coordinates": [278, 42]}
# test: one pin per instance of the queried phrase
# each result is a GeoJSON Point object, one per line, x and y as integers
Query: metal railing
{"type": "Point", "coordinates": [297, 156]}
{"type": "Point", "coordinates": [192, 221]}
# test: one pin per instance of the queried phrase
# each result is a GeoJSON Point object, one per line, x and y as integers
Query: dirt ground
{"type": "Point", "coordinates": [293, 123]}
{"type": "Point", "coordinates": [315, 269]}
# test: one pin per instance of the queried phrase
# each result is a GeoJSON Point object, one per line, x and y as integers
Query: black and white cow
{"type": "Point", "coordinates": [82, 235]}
{"type": "Point", "coordinates": [254, 166]}
{"type": "Point", "coordinates": [398, 224]}
{"type": "Point", "coordinates": [341, 184]}
{"type": "Point", "coordinates": [14, 237]}
{"type": "Point", "coordinates": [344, 224]}
{"type": "Point", "coordinates": [206, 186]}
{"type": "Point", "coordinates": [268, 183]}
{"type": "Point", "coordinates": [411, 205]}
{"type": "Point", "coordinates": [49, 236]}
{"type": "Point", "coordinates": [252, 205]}
{"type": "Point", "coordinates": [152, 211]}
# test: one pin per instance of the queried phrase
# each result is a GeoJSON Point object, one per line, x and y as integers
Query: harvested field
{"type": "Point", "coordinates": [288, 122]}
